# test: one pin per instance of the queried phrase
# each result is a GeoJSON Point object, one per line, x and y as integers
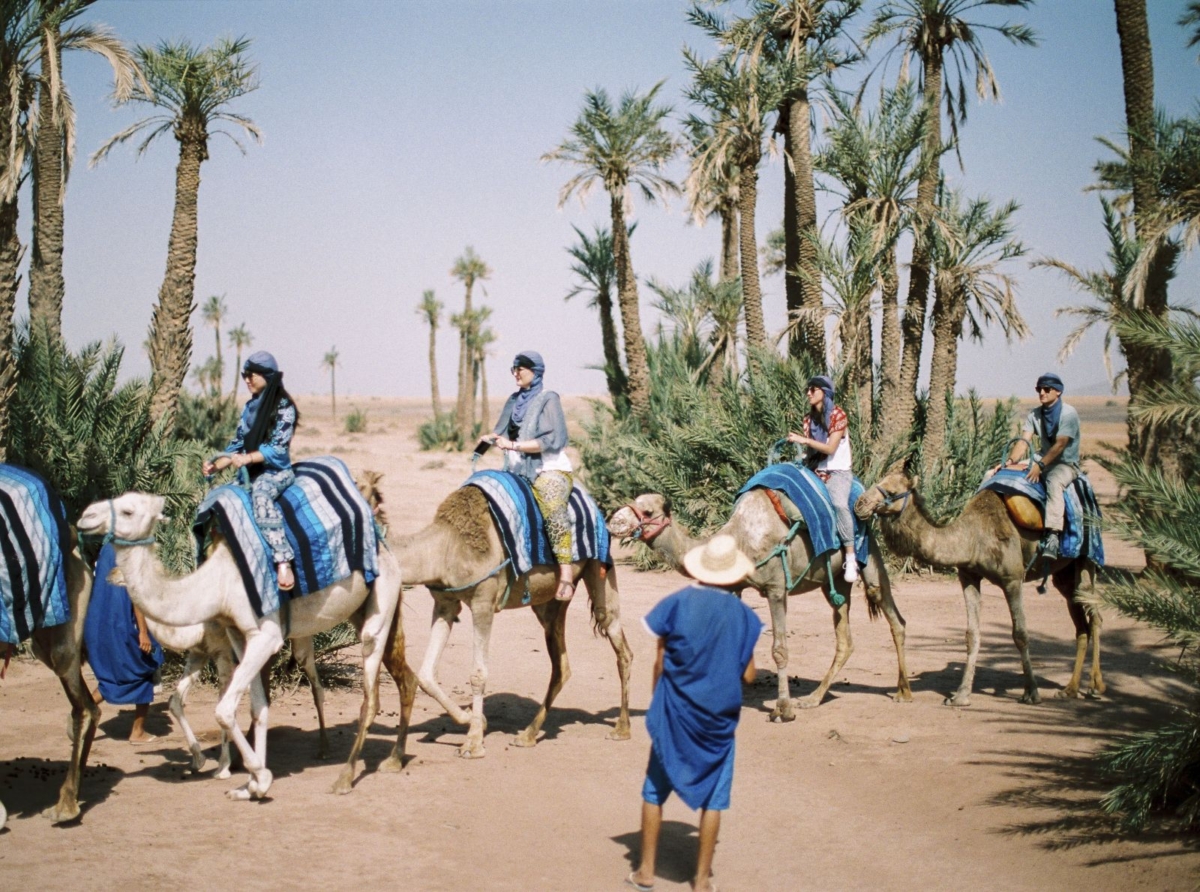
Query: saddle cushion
{"type": "Point", "coordinates": [522, 530]}
{"type": "Point", "coordinates": [1081, 521]}
{"type": "Point", "coordinates": [809, 494]}
{"type": "Point", "coordinates": [327, 521]}
{"type": "Point", "coordinates": [34, 542]}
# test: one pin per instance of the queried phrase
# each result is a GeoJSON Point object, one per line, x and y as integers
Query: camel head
{"type": "Point", "coordinates": [132, 516]}
{"type": "Point", "coordinates": [891, 495]}
{"type": "Point", "coordinates": [643, 518]}
{"type": "Point", "coordinates": [368, 485]}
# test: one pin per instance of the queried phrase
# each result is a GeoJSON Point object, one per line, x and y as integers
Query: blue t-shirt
{"type": "Point", "coordinates": [709, 638]}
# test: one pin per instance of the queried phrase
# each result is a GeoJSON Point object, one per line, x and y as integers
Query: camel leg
{"type": "Point", "coordinates": [85, 715]}
{"type": "Point", "coordinates": [879, 591]}
{"type": "Point", "coordinates": [374, 632]}
{"type": "Point", "coordinates": [406, 683]}
{"type": "Point", "coordinates": [303, 653]}
{"type": "Point", "coordinates": [1016, 607]}
{"type": "Point", "coordinates": [777, 601]}
{"type": "Point", "coordinates": [973, 601]}
{"type": "Point", "coordinates": [445, 610]}
{"type": "Point", "coordinates": [224, 663]}
{"type": "Point", "coordinates": [606, 613]}
{"type": "Point", "coordinates": [844, 647]}
{"type": "Point", "coordinates": [1096, 686]}
{"type": "Point", "coordinates": [553, 617]}
{"type": "Point", "coordinates": [260, 647]}
{"type": "Point", "coordinates": [194, 665]}
{"type": "Point", "coordinates": [482, 612]}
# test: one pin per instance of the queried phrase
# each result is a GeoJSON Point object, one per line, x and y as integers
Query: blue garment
{"type": "Point", "coordinates": [709, 637]}
{"type": "Point", "coordinates": [657, 788]}
{"type": "Point", "coordinates": [275, 448]}
{"type": "Point", "coordinates": [110, 633]}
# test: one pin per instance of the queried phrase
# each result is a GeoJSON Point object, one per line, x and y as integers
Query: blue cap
{"type": "Point", "coordinates": [1051, 380]}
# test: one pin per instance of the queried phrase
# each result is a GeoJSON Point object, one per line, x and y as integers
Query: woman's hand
{"type": "Point", "coordinates": [798, 439]}
{"type": "Point", "coordinates": [219, 464]}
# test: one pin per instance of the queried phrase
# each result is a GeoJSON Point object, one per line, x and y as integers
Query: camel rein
{"type": "Point", "coordinates": [648, 527]}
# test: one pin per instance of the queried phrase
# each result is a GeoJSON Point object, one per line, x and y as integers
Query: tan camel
{"type": "Point", "coordinates": [759, 530]}
{"type": "Point", "coordinates": [60, 648]}
{"type": "Point", "coordinates": [460, 558]}
{"type": "Point", "coordinates": [215, 592]}
{"type": "Point", "coordinates": [984, 543]}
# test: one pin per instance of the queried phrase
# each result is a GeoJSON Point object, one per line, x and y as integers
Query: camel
{"type": "Point", "coordinates": [984, 543]}
{"type": "Point", "coordinates": [60, 648]}
{"type": "Point", "coordinates": [759, 530]}
{"type": "Point", "coordinates": [215, 592]}
{"type": "Point", "coordinates": [460, 558]}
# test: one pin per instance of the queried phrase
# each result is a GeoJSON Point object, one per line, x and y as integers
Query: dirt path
{"type": "Point", "coordinates": [861, 793]}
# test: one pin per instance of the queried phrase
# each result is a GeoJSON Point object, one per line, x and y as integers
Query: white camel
{"type": "Point", "coordinates": [215, 592]}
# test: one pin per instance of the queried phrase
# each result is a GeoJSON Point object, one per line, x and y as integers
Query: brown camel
{"type": "Point", "coordinates": [460, 558]}
{"type": "Point", "coordinates": [984, 543]}
{"type": "Point", "coordinates": [758, 530]}
{"type": "Point", "coordinates": [60, 648]}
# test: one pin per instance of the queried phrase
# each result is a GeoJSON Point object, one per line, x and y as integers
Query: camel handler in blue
{"type": "Point", "coordinates": [706, 640]}
{"type": "Point", "coordinates": [1056, 425]}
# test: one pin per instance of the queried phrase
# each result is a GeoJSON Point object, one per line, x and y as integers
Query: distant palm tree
{"type": "Point", "coordinates": [213, 312]}
{"type": "Point", "coordinates": [484, 337]}
{"type": "Point", "coordinates": [330, 361]}
{"type": "Point", "coordinates": [208, 376]}
{"type": "Point", "coordinates": [715, 194]}
{"type": "Point", "coordinates": [239, 338]}
{"type": "Point", "coordinates": [1191, 19]}
{"type": "Point", "coordinates": [935, 34]}
{"type": "Point", "coordinates": [55, 147]}
{"type": "Point", "coordinates": [193, 88]}
{"type": "Point", "coordinates": [596, 269]}
{"type": "Point", "coordinates": [430, 309]}
{"type": "Point", "coordinates": [622, 148]}
{"type": "Point", "coordinates": [468, 269]}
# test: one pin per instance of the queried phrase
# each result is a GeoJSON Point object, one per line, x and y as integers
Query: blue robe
{"type": "Point", "coordinates": [110, 633]}
{"type": "Point", "coordinates": [709, 638]}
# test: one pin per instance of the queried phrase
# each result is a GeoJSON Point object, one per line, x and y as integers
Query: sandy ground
{"type": "Point", "coordinates": [860, 793]}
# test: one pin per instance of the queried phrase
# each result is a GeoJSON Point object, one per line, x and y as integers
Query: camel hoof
{"type": "Point", "coordinates": [472, 750]}
{"type": "Point", "coordinates": [809, 702]}
{"type": "Point", "coordinates": [223, 773]}
{"type": "Point", "coordinates": [3, 816]}
{"type": "Point", "coordinates": [902, 697]}
{"type": "Point", "coordinates": [60, 813]}
{"type": "Point", "coordinates": [525, 740]}
{"type": "Point", "coordinates": [393, 764]}
{"type": "Point", "coordinates": [343, 784]}
{"type": "Point", "coordinates": [1032, 699]}
{"type": "Point", "coordinates": [1067, 694]}
{"type": "Point", "coordinates": [1096, 693]}
{"type": "Point", "coordinates": [260, 783]}
{"type": "Point", "coordinates": [619, 734]}
{"type": "Point", "coordinates": [240, 794]}
{"type": "Point", "coordinates": [958, 701]}
{"type": "Point", "coordinates": [783, 713]}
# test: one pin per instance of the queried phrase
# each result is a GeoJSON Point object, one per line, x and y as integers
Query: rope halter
{"type": "Point", "coordinates": [648, 526]}
{"type": "Point", "coordinates": [111, 535]}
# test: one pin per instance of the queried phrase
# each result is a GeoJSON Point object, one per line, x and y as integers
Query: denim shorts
{"type": "Point", "coordinates": [658, 786]}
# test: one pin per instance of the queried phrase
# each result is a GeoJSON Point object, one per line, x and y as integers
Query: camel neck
{"type": "Point", "coordinates": [176, 601]}
{"type": "Point", "coordinates": [913, 533]}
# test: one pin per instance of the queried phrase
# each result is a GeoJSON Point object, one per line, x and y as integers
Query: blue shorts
{"type": "Point", "coordinates": [658, 786]}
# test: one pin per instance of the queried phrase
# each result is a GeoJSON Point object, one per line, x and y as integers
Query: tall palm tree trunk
{"type": "Point", "coordinates": [433, 375]}
{"type": "Point", "coordinates": [10, 260]}
{"type": "Point", "coordinates": [864, 370]}
{"type": "Point", "coordinates": [756, 331]}
{"type": "Point", "coordinates": [1146, 366]}
{"type": "Point", "coordinates": [170, 324]}
{"type": "Point", "coordinates": [46, 284]}
{"type": "Point", "coordinates": [730, 268]}
{"type": "Point", "coordinates": [948, 318]}
{"type": "Point", "coordinates": [900, 418]}
{"type": "Point", "coordinates": [485, 414]}
{"type": "Point", "coordinates": [889, 337]}
{"type": "Point", "coordinates": [465, 403]}
{"type": "Point", "coordinates": [631, 317]}
{"type": "Point", "coordinates": [614, 374]}
{"type": "Point", "coordinates": [804, 225]}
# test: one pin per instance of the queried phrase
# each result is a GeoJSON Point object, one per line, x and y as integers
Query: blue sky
{"type": "Point", "coordinates": [397, 134]}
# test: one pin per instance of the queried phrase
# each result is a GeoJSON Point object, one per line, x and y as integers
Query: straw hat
{"type": "Point", "coordinates": [718, 562]}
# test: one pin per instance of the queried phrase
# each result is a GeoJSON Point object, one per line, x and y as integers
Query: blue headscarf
{"type": "Point", "coordinates": [1051, 414]}
{"type": "Point", "coordinates": [818, 425]}
{"type": "Point", "coordinates": [532, 360]}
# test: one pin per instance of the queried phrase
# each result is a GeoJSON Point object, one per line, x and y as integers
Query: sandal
{"type": "Point", "coordinates": [287, 581]}
{"type": "Point", "coordinates": [566, 591]}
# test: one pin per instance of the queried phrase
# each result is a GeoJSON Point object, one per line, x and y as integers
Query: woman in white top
{"type": "Point", "coordinates": [827, 435]}
{"type": "Point", "coordinates": [533, 432]}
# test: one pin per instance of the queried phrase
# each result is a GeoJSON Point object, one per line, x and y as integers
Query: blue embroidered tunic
{"type": "Point", "coordinates": [276, 448]}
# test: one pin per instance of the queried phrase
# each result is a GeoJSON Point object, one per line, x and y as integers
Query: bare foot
{"type": "Point", "coordinates": [287, 580]}
{"type": "Point", "coordinates": [566, 590]}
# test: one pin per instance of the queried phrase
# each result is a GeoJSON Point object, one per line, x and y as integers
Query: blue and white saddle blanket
{"type": "Point", "coordinates": [34, 542]}
{"type": "Point", "coordinates": [1081, 522]}
{"type": "Point", "coordinates": [327, 521]}
{"type": "Point", "coordinates": [523, 531]}
{"type": "Point", "coordinates": [810, 495]}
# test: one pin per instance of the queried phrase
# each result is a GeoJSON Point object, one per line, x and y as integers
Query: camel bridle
{"type": "Point", "coordinates": [111, 535]}
{"type": "Point", "coordinates": [648, 526]}
{"type": "Point", "coordinates": [890, 499]}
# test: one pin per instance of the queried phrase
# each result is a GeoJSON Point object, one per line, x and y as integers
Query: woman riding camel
{"type": "Point", "coordinates": [827, 433]}
{"type": "Point", "coordinates": [261, 448]}
{"type": "Point", "coordinates": [532, 431]}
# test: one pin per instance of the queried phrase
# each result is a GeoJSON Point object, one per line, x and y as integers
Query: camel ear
{"type": "Point", "coordinates": [897, 467]}
{"type": "Point", "coordinates": [916, 481]}
{"type": "Point", "coordinates": [116, 577]}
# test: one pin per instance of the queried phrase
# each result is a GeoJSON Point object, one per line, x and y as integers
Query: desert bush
{"type": "Point", "coordinates": [441, 433]}
{"type": "Point", "coordinates": [356, 422]}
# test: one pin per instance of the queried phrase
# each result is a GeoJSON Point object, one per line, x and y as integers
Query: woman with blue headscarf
{"type": "Point", "coordinates": [532, 431]}
{"type": "Point", "coordinates": [827, 436]}
{"type": "Point", "coordinates": [260, 450]}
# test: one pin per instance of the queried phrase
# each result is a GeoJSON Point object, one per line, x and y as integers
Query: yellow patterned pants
{"type": "Point", "coordinates": [552, 489]}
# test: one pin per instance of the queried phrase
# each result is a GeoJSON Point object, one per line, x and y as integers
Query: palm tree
{"type": "Point", "coordinates": [55, 147]}
{"type": "Point", "coordinates": [971, 288]}
{"type": "Point", "coordinates": [330, 361]}
{"type": "Point", "coordinates": [239, 338]}
{"type": "Point", "coordinates": [684, 309]}
{"type": "Point", "coordinates": [208, 376]}
{"type": "Point", "coordinates": [935, 35]}
{"type": "Point", "coordinates": [1191, 19]}
{"type": "Point", "coordinates": [192, 88]}
{"type": "Point", "coordinates": [468, 269]}
{"type": "Point", "coordinates": [596, 269]}
{"type": "Point", "coordinates": [739, 95]}
{"type": "Point", "coordinates": [213, 312]}
{"type": "Point", "coordinates": [622, 148]}
{"type": "Point", "coordinates": [723, 306]}
{"type": "Point", "coordinates": [430, 309]}
{"type": "Point", "coordinates": [716, 194]}
{"type": "Point", "coordinates": [483, 337]}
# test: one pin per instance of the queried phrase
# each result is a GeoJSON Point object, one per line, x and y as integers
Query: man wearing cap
{"type": "Point", "coordinates": [706, 639]}
{"type": "Point", "coordinates": [1056, 425]}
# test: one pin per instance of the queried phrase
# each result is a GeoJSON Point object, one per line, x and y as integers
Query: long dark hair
{"type": "Point", "coordinates": [268, 407]}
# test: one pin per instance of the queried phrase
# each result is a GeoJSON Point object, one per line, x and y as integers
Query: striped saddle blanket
{"type": "Point", "coordinates": [522, 529]}
{"type": "Point", "coordinates": [809, 494]}
{"type": "Point", "coordinates": [327, 521]}
{"type": "Point", "coordinates": [34, 542]}
{"type": "Point", "coordinates": [1081, 522]}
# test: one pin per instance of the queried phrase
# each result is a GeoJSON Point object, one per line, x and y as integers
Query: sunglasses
{"type": "Point", "coordinates": [1044, 389]}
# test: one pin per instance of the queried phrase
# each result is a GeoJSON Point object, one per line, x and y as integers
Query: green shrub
{"type": "Point", "coordinates": [356, 422]}
{"type": "Point", "coordinates": [207, 417]}
{"type": "Point", "coordinates": [441, 433]}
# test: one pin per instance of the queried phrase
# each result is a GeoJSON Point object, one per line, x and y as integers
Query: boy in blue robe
{"type": "Point", "coordinates": [706, 643]}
